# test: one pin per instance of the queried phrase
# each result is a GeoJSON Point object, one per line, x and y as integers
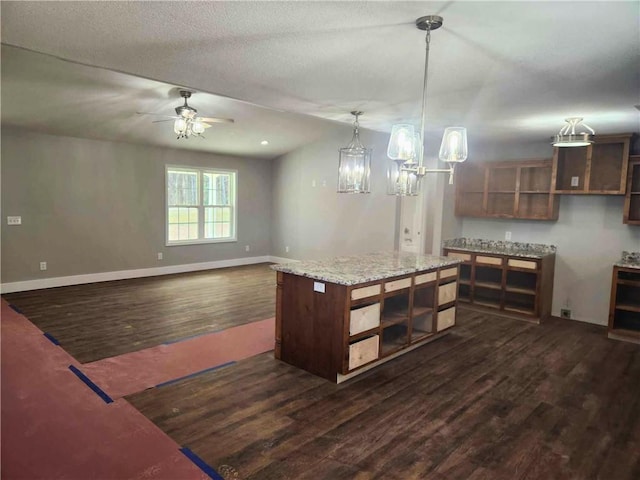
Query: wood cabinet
{"type": "Point", "coordinates": [521, 287]}
{"type": "Point", "coordinates": [600, 168]}
{"type": "Point", "coordinates": [337, 331]}
{"type": "Point", "coordinates": [624, 308]}
{"type": "Point", "coordinates": [507, 189]}
{"type": "Point", "coordinates": [631, 214]}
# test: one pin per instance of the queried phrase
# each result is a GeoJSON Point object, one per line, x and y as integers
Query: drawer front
{"type": "Point", "coordinates": [512, 262]}
{"type": "Point", "coordinates": [426, 278]}
{"type": "Point", "coordinates": [364, 318]}
{"type": "Point", "coordinates": [447, 293]}
{"type": "Point", "coordinates": [364, 292]}
{"type": "Point", "coordinates": [363, 352]}
{"type": "Point", "coordinates": [446, 318]}
{"type": "Point", "coordinates": [462, 256]}
{"type": "Point", "coordinates": [488, 260]}
{"type": "Point", "coordinates": [397, 284]}
{"type": "Point", "coordinates": [448, 273]}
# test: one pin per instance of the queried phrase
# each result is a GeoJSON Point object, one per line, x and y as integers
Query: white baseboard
{"type": "Point", "coordinates": [282, 259]}
{"type": "Point", "coordinates": [137, 273]}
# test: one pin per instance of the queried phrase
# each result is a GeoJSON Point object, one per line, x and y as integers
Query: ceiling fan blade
{"type": "Point", "coordinates": [205, 125]}
{"type": "Point", "coordinates": [157, 114]}
{"type": "Point", "coordinates": [216, 120]}
{"type": "Point", "coordinates": [160, 121]}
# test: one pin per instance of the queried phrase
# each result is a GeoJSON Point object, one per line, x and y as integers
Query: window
{"type": "Point", "coordinates": [200, 205]}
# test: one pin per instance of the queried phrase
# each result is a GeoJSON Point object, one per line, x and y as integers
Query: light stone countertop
{"type": "Point", "coordinates": [364, 268]}
{"type": "Point", "coordinates": [629, 260]}
{"type": "Point", "coordinates": [499, 247]}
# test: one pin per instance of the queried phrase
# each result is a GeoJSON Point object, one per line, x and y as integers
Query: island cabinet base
{"type": "Point", "coordinates": [337, 331]}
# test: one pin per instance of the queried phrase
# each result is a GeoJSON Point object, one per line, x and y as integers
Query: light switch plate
{"type": "Point", "coordinates": [14, 220]}
{"type": "Point", "coordinates": [575, 181]}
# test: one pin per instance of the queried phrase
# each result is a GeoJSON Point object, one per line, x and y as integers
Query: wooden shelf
{"type": "Point", "coordinates": [598, 169]}
{"type": "Point", "coordinates": [631, 213]}
{"type": "Point", "coordinates": [624, 307]}
{"type": "Point", "coordinates": [507, 189]}
{"type": "Point", "coordinates": [519, 287]}
{"type": "Point", "coordinates": [629, 307]}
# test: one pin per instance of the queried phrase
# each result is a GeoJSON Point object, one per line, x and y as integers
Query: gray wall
{"type": "Point", "coordinates": [315, 221]}
{"type": "Point", "coordinates": [92, 206]}
{"type": "Point", "coordinates": [589, 234]}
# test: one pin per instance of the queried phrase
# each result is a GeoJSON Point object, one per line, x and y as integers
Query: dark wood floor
{"type": "Point", "coordinates": [106, 319]}
{"type": "Point", "coordinates": [495, 399]}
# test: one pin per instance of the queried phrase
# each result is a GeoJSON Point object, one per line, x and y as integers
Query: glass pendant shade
{"type": "Point", "coordinates": [400, 181]}
{"type": "Point", "coordinates": [402, 143]}
{"type": "Point", "coordinates": [180, 126]}
{"type": "Point", "coordinates": [197, 128]}
{"type": "Point", "coordinates": [354, 167]}
{"type": "Point", "coordinates": [453, 148]}
{"type": "Point", "coordinates": [567, 136]}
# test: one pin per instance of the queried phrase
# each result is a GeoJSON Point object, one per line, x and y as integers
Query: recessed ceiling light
{"type": "Point", "coordinates": [264, 142]}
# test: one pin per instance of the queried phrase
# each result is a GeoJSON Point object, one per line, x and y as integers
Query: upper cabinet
{"type": "Point", "coordinates": [632, 199]}
{"type": "Point", "coordinates": [507, 189]}
{"type": "Point", "coordinates": [600, 168]}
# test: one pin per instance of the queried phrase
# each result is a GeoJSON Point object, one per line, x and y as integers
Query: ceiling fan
{"type": "Point", "coordinates": [187, 123]}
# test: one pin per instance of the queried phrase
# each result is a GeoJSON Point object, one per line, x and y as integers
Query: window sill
{"type": "Point", "coordinates": [200, 242]}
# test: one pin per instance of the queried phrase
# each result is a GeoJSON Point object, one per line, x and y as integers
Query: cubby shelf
{"type": "Point", "coordinates": [598, 169]}
{"type": "Point", "coordinates": [507, 189]}
{"type": "Point", "coordinates": [624, 308]}
{"type": "Point", "coordinates": [631, 215]}
{"type": "Point", "coordinates": [521, 287]}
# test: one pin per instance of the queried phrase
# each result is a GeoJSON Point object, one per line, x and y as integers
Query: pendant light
{"type": "Point", "coordinates": [354, 167]}
{"type": "Point", "coordinates": [406, 147]}
{"type": "Point", "coordinates": [567, 136]}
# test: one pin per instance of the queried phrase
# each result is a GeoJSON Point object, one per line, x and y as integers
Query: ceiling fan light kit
{"type": "Point", "coordinates": [406, 146]}
{"type": "Point", "coordinates": [567, 136]}
{"type": "Point", "coordinates": [187, 123]}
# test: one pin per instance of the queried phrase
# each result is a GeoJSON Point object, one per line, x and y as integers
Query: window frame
{"type": "Point", "coordinates": [201, 171]}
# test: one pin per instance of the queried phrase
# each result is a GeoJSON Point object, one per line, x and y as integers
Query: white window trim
{"type": "Point", "coordinates": [201, 240]}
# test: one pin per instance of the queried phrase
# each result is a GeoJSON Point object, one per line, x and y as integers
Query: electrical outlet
{"type": "Point", "coordinates": [43, 265]}
{"type": "Point", "coordinates": [286, 249]}
{"type": "Point", "coordinates": [565, 313]}
{"type": "Point", "coordinates": [507, 235]}
{"type": "Point", "coordinates": [247, 248]}
{"type": "Point", "coordinates": [575, 181]}
{"type": "Point", "coordinates": [15, 220]}
{"type": "Point", "coordinates": [160, 256]}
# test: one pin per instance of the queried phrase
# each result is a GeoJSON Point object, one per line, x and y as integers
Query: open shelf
{"type": "Point", "coordinates": [600, 168]}
{"type": "Point", "coordinates": [422, 326]}
{"type": "Point", "coordinates": [631, 214]}
{"type": "Point", "coordinates": [514, 189]}
{"type": "Point", "coordinates": [488, 297]}
{"type": "Point", "coordinates": [519, 280]}
{"type": "Point", "coordinates": [394, 338]}
{"type": "Point", "coordinates": [624, 308]}
{"type": "Point", "coordinates": [521, 287]}
{"type": "Point", "coordinates": [520, 302]}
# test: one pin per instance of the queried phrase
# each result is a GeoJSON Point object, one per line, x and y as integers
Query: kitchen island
{"type": "Point", "coordinates": [339, 317]}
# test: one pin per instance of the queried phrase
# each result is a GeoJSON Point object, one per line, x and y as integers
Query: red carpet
{"type": "Point", "coordinates": [136, 371]}
{"type": "Point", "coordinates": [55, 427]}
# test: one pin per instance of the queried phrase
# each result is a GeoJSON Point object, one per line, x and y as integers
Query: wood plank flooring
{"type": "Point", "coordinates": [100, 320]}
{"type": "Point", "coordinates": [495, 399]}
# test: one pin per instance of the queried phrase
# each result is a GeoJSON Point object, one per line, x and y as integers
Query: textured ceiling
{"type": "Point", "coordinates": [502, 69]}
